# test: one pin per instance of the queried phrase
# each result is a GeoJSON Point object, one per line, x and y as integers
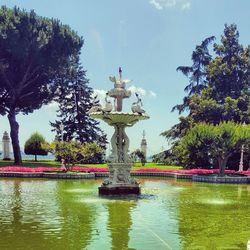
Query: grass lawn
{"type": "Point", "coordinates": [137, 165]}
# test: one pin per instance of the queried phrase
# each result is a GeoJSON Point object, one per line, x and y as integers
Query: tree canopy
{"type": "Point", "coordinates": [224, 92]}
{"type": "Point", "coordinates": [34, 145]}
{"type": "Point", "coordinates": [74, 99]}
{"type": "Point", "coordinates": [219, 141]}
{"type": "Point", "coordinates": [33, 52]}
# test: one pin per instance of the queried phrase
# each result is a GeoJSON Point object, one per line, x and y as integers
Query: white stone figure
{"type": "Point", "coordinates": [6, 145]}
{"type": "Point", "coordinates": [119, 91]}
{"type": "Point", "coordinates": [137, 106]}
{"type": "Point", "coordinates": [108, 106]}
{"type": "Point", "coordinates": [97, 107]}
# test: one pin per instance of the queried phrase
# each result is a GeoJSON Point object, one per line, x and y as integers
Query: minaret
{"type": "Point", "coordinates": [6, 146]}
{"type": "Point", "coordinates": [144, 144]}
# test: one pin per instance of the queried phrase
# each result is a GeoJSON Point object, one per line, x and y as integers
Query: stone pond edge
{"type": "Point", "coordinates": [194, 178]}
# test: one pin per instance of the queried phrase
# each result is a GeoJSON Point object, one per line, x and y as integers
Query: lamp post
{"type": "Point", "coordinates": [241, 154]}
{"type": "Point", "coordinates": [61, 128]}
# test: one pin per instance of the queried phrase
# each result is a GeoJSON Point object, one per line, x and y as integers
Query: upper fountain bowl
{"type": "Point", "coordinates": [112, 118]}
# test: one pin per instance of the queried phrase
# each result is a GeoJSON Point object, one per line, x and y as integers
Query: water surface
{"type": "Point", "coordinates": [170, 214]}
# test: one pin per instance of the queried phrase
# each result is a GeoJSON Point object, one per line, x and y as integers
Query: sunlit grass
{"type": "Point", "coordinates": [137, 165]}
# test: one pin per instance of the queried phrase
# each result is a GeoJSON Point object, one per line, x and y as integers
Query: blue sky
{"type": "Point", "coordinates": [149, 39]}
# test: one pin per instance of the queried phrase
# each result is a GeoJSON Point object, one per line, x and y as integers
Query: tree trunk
{"type": "Point", "coordinates": [14, 129]}
{"type": "Point", "coordinates": [222, 164]}
{"type": "Point", "coordinates": [35, 157]}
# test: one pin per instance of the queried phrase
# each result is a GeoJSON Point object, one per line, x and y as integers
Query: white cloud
{"type": "Point", "coordinates": [138, 90]}
{"type": "Point", "coordinates": [156, 4]}
{"type": "Point", "coordinates": [141, 91]}
{"type": "Point", "coordinates": [167, 4]}
{"type": "Point", "coordinates": [186, 6]}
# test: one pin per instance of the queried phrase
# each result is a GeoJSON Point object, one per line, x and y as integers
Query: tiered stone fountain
{"type": "Point", "coordinates": [119, 162]}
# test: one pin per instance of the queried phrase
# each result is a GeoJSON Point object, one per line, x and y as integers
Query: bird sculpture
{"type": "Point", "coordinates": [108, 106]}
{"type": "Point", "coordinates": [97, 107]}
{"type": "Point", "coordinates": [137, 106]}
{"type": "Point", "coordinates": [119, 83]}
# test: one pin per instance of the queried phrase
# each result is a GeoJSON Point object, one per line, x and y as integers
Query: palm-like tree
{"type": "Point", "coordinates": [197, 72]}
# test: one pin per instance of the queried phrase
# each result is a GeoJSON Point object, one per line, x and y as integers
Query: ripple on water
{"type": "Point", "coordinates": [79, 190]}
{"type": "Point", "coordinates": [94, 200]}
{"type": "Point", "coordinates": [217, 201]}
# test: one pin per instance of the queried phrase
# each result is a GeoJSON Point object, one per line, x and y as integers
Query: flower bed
{"type": "Point", "coordinates": [48, 169]}
{"type": "Point", "coordinates": [93, 169]}
{"type": "Point", "coordinates": [186, 171]}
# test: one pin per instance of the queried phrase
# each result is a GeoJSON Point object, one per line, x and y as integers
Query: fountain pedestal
{"type": "Point", "coordinates": [119, 181]}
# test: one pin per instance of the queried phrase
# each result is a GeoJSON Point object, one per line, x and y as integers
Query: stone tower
{"type": "Point", "coordinates": [6, 146]}
{"type": "Point", "coordinates": [144, 144]}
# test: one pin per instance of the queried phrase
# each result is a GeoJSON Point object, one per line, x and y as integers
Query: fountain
{"type": "Point", "coordinates": [119, 162]}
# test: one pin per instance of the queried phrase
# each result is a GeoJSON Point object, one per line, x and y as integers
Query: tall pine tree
{"type": "Point", "coordinates": [224, 96]}
{"type": "Point", "coordinates": [74, 99]}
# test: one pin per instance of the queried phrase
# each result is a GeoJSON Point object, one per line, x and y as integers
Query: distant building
{"type": "Point", "coordinates": [144, 144]}
{"type": "Point", "coordinates": [6, 146]}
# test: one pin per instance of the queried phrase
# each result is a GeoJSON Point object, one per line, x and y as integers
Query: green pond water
{"type": "Point", "coordinates": [170, 214]}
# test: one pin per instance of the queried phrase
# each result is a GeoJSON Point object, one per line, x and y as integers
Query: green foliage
{"type": "Point", "coordinates": [75, 152]}
{"type": "Point", "coordinates": [166, 157]}
{"type": "Point", "coordinates": [229, 72]}
{"type": "Point", "coordinates": [140, 155]}
{"type": "Point", "coordinates": [69, 151]}
{"type": "Point", "coordinates": [33, 146]}
{"type": "Point", "coordinates": [34, 52]}
{"type": "Point", "coordinates": [218, 141]}
{"type": "Point", "coordinates": [224, 96]}
{"type": "Point", "coordinates": [196, 73]}
{"type": "Point", "coordinates": [92, 153]}
{"type": "Point", "coordinates": [74, 98]}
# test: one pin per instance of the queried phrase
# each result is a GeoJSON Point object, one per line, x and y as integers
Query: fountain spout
{"type": "Point", "coordinates": [119, 91]}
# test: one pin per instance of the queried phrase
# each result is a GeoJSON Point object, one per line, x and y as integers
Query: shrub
{"type": "Point", "coordinates": [73, 152]}
{"type": "Point", "coordinates": [33, 146]}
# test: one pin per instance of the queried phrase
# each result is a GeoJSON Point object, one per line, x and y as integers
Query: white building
{"type": "Point", "coordinates": [144, 144]}
{"type": "Point", "coordinates": [6, 146]}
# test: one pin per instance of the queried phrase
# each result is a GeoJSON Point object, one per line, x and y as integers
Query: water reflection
{"type": "Point", "coordinates": [119, 223]}
{"type": "Point", "coordinates": [78, 215]}
{"type": "Point", "coordinates": [54, 214]}
{"type": "Point", "coordinates": [22, 215]}
{"type": "Point", "coordinates": [214, 217]}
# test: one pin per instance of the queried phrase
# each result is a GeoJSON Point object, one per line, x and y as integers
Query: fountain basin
{"type": "Point", "coordinates": [112, 118]}
{"type": "Point", "coordinates": [170, 214]}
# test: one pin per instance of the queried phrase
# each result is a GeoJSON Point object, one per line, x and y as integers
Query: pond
{"type": "Point", "coordinates": [170, 214]}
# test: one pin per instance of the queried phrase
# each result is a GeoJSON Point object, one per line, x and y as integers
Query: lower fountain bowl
{"type": "Point", "coordinates": [119, 190]}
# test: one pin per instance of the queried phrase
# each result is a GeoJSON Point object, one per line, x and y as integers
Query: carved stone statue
{"type": "Point", "coordinates": [108, 106]}
{"type": "Point", "coordinates": [119, 91]}
{"type": "Point", "coordinates": [137, 106]}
